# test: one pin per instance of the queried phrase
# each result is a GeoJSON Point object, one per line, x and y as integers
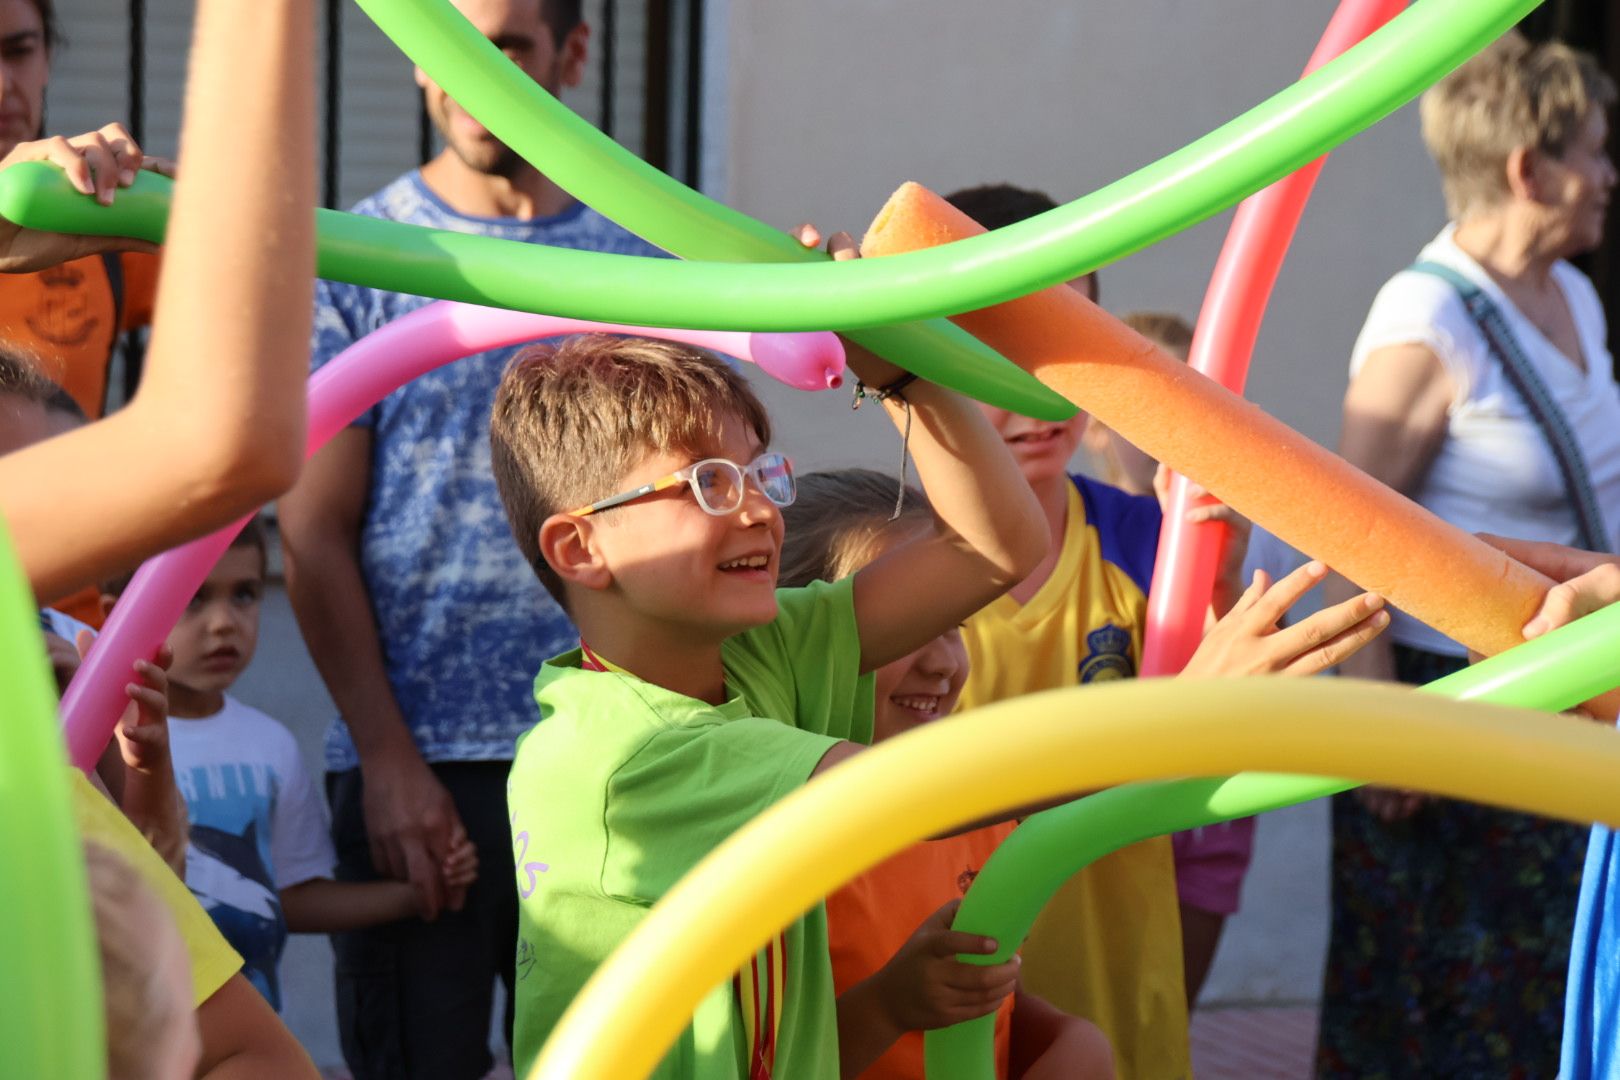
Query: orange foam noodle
{"type": "Point", "coordinates": [1254, 463]}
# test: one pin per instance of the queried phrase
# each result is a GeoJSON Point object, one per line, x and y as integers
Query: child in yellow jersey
{"type": "Point", "coordinates": [1108, 946]}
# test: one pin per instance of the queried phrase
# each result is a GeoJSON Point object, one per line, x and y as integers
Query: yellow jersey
{"type": "Point", "coordinates": [1108, 945]}
{"type": "Point", "coordinates": [213, 961]}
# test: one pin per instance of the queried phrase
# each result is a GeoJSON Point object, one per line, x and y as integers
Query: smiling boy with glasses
{"type": "Point", "coordinates": [701, 694]}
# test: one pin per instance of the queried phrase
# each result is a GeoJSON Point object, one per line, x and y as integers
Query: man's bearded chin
{"type": "Point", "coordinates": [488, 156]}
{"type": "Point", "coordinates": [492, 158]}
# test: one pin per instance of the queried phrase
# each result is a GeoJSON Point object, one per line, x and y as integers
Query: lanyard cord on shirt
{"type": "Point", "coordinates": [592, 662]}
{"type": "Point", "coordinates": [759, 994]}
{"type": "Point", "coordinates": [1538, 399]}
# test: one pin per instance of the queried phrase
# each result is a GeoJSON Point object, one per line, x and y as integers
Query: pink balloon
{"type": "Point", "coordinates": [1189, 555]}
{"type": "Point", "coordinates": [358, 378]}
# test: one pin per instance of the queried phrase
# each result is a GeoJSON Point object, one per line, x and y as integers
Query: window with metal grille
{"type": "Point", "coordinates": [127, 61]}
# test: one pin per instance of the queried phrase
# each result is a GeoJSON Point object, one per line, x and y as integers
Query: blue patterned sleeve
{"type": "Point", "coordinates": [339, 323]}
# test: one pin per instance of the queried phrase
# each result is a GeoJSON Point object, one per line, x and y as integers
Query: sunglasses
{"type": "Point", "coordinates": [718, 484]}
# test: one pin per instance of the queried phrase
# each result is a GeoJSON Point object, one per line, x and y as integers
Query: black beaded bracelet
{"type": "Point", "coordinates": [882, 393]}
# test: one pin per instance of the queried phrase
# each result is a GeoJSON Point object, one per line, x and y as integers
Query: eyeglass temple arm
{"type": "Point", "coordinates": [619, 500]}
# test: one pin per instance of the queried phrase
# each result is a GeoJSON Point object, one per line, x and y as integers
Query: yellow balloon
{"type": "Point", "coordinates": [1039, 748]}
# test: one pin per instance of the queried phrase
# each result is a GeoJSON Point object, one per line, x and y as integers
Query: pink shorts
{"type": "Point", "coordinates": [1211, 862]}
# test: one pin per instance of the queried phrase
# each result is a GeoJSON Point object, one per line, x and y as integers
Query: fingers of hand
{"type": "Point", "coordinates": [150, 705]}
{"type": "Point", "coordinates": [806, 234]}
{"type": "Point", "coordinates": [1251, 595]}
{"type": "Point", "coordinates": [992, 979]}
{"type": "Point", "coordinates": [103, 162]}
{"type": "Point", "coordinates": [1286, 593]}
{"type": "Point", "coordinates": [59, 152]}
{"type": "Point", "coordinates": [942, 916]}
{"type": "Point", "coordinates": [126, 154]}
{"type": "Point", "coordinates": [1332, 641]}
{"type": "Point", "coordinates": [956, 943]}
{"type": "Point", "coordinates": [1581, 595]}
{"type": "Point", "coordinates": [842, 247]}
{"type": "Point", "coordinates": [153, 675]}
{"type": "Point", "coordinates": [423, 872]}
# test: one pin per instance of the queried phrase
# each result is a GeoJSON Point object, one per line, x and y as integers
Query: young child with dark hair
{"type": "Point", "coordinates": [1109, 945]}
{"type": "Point", "coordinates": [889, 929]}
{"type": "Point", "coordinates": [260, 859]}
{"type": "Point", "coordinates": [996, 205]}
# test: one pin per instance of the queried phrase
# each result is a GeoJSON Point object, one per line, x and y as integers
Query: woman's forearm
{"type": "Point", "coordinates": [217, 426]}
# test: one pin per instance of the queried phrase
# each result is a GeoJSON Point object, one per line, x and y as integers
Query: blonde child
{"type": "Point", "coordinates": [260, 858]}
{"type": "Point", "coordinates": [145, 975]}
{"type": "Point", "coordinates": [889, 929]}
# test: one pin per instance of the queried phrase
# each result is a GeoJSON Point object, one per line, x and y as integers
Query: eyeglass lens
{"type": "Point", "coordinates": [720, 484]}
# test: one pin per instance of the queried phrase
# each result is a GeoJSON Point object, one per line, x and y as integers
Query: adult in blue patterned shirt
{"type": "Point", "coordinates": [416, 605]}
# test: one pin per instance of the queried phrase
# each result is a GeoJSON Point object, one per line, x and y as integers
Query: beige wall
{"type": "Point", "coordinates": [831, 104]}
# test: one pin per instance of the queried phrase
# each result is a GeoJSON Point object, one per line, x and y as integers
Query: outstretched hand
{"type": "Point", "coordinates": [1247, 640]}
{"type": "Point", "coordinates": [1587, 581]}
{"type": "Point", "coordinates": [97, 163]}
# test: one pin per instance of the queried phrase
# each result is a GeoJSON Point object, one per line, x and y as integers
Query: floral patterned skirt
{"type": "Point", "coordinates": [1449, 938]}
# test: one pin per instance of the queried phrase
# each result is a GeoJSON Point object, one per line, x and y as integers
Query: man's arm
{"type": "Point", "coordinates": [244, 1039]}
{"type": "Point", "coordinates": [410, 817]}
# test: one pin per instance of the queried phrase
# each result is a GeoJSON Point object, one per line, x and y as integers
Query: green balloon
{"type": "Point", "coordinates": [51, 1020]}
{"type": "Point", "coordinates": [1304, 121]}
{"type": "Point", "coordinates": [1301, 123]}
{"type": "Point", "coordinates": [526, 277]}
{"type": "Point", "coordinates": [1554, 672]}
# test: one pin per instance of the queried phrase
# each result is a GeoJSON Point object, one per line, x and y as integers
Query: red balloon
{"type": "Point", "coordinates": [1223, 343]}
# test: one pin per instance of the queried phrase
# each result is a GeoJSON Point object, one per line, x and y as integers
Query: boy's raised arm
{"type": "Point", "coordinates": [992, 534]}
{"type": "Point", "coordinates": [218, 426]}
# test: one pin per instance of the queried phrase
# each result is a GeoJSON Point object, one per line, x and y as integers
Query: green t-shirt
{"type": "Point", "coordinates": [623, 786]}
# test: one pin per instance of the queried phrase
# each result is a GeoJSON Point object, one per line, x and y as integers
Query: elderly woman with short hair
{"type": "Point", "coordinates": [1481, 386]}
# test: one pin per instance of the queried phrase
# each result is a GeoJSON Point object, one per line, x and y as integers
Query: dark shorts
{"type": "Point", "coordinates": [414, 998]}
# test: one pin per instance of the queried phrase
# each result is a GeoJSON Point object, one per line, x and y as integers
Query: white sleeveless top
{"type": "Point", "coordinates": [1495, 472]}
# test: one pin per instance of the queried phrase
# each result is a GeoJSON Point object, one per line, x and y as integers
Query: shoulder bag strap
{"type": "Point", "coordinates": [1555, 428]}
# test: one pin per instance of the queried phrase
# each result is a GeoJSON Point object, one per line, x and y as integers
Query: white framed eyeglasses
{"type": "Point", "coordinates": [718, 484]}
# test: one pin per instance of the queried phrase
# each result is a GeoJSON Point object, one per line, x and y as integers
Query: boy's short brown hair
{"type": "Point", "coordinates": [1513, 94]}
{"type": "Point", "coordinates": [571, 420]}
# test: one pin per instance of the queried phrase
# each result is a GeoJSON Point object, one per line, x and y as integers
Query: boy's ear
{"type": "Point", "coordinates": [568, 544]}
{"type": "Point", "coordinates": [107, 602]}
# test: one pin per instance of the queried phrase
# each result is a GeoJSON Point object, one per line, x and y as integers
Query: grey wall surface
{"type": "Point", "coordinates": [833, 105]}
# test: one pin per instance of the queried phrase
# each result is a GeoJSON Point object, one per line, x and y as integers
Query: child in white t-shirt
{"type": "Point", "coordinates": [260, 857]}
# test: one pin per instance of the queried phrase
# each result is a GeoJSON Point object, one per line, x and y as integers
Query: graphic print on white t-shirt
{"type": "Point", "coordinates": [257, 826]}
